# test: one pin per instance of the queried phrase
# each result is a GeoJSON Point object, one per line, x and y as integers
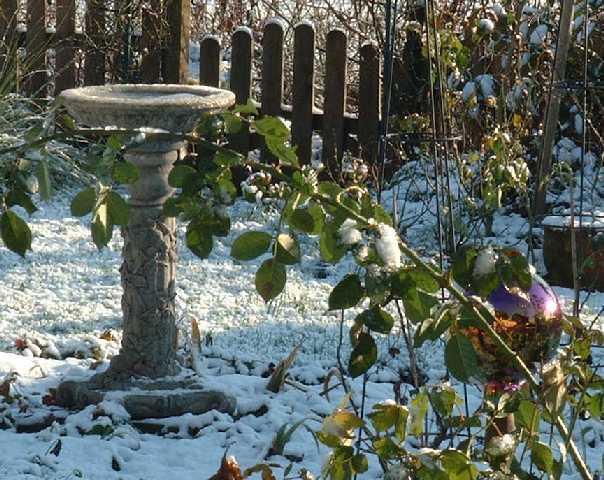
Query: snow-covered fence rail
{"type": "Point", "coordinates": [120, 41]}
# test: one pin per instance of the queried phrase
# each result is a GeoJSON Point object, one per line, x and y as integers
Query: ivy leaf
{"type": "Point", "coordinates": [461, 358]}
{"type": "Point", "coordinates": [542, 457]}
{"type": "Point", "coordinates": [199, 239]}
{"type": "Point", "coordinates": [118, 209]}
{"type": "Point", "coordinates": [125, 173]}
{"type": "Point", "coordinates": [270, 279]}
{"type": "Point", "coordinates": [179, 175]}
{"type": "Point", "coordinates": [346, 294]}
{"type": "Point", "coordinates": [43, 176]}
{"type": "Point", "coordinates": [287, 250]}
{"type": "Point", "coordinates": [376, 319]}
{"type": "Point", "coordinates": [363, 356]}
{"type": "Point", "coordinates": [250, 245]}
{"type": "Point", "coordinates": [15, 233]}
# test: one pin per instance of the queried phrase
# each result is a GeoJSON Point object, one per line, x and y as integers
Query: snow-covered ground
{"type": "Point", "coordinates": [63, 301]}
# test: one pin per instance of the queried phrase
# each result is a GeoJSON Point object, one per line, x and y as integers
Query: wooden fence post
{"type": "Point", "coordinates": [369, 102]}
{"type": "Point", "coordinates": [241, 80]}
{"type": "Point", "coordinates": [553, 107]}
{"type": "Point", "coordinates": [176, 56]}
{"type": "Point", "coordinates": [94, 54]}
{"type": "Point", "coordinates": [8, 47]}
{"type": "Point", "coordinates": [303, 91]}
{"type": "Point", "coordinates": [36, 42]}
{"type": "Point", "coordinates": [65, 63]}
{"type": "Point", "coordinates": [151, 42]}
{"type": "Point", "coordinates": [272, 72]}
{"type": "Point", "coordinates": [335, 101]}
{"type": "Point", "coordinates": [209, 61]}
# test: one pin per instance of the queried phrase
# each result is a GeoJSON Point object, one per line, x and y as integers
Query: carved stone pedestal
{"type": "Point", "coordinates": [148, 271]}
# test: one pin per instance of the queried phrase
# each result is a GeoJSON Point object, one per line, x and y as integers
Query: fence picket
{"type": "Point", "coordinates": [303, 91]}
{"type": "Point", "coordinates": [175, 63]}
{"type": "Point", "coordinates": [151, 42]}
{"type": "Point", "coordinates": [272, 72]}
{"type": "Point", "coordinates": [369, 102]}
{"type": "Point", "coordinates": [335, 100]}
{"type": "Point", "coordinates": [241, 80]}
{"type": "Point", "coordinates": [8, 25]}
{"type": "Point", "coordinates": [37, 42]}
{"type": "Point", "coordinates": [209, 61]}
{"type": "Point", "coordinates": [65, 63]}
{"type": "Point", "coordinates": [94, 54]}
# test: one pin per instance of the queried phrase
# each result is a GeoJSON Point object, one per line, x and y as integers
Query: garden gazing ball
{"type": "Point", "coordinates": [529, 322]}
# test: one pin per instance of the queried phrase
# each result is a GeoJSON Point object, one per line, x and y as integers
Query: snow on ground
{"type": "Point", "coordinates": [64, 299]}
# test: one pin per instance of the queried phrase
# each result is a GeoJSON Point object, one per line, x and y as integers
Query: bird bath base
{"type": "Point", "coordinates": [143, 398]}
{"type": "Point", "coordinates": [148, 271]}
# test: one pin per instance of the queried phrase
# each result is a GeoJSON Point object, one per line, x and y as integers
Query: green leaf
{"type": "Point", "coordinates": [250, 245]}
{"type": "Point", "coordinates": [386, 416]}
{"type": "Point", "coordinates": [432, 328]}
{"type": "Point", "coordinates": [15, 233]}
{"type": "Point", "coordinates": [542, 457]}
{"type": "Point", "coordinates": [376, 319]}
{"type": "Point", "coordinates": [227, 158]}
{"type": "Point", "coordinates": [248, 109]}
{"type": "Point", "coordinates": [232, 123]}
{"type": "Point", "coordinates": [271, 127]}
{"type": "Point", "coordinates": [125, 173]}
{"type": "Point", "coordinates": [302, 220]}
{"type": "Point", "coordinates": [443, 399]}
{"type": "Point", "coordinates": [43, 176]}
{"type": "Point", "coordinates": [528, 415]}
{"type": "Point", "coordinates": [179, 175]}
{"type": "Point", "coordinates": [329, 243]}
{"type": "Point", "coordinates": [364, 355]}
{"type": "Point", "coordinates": [418, 411]}
{"type": "Point", "coordinates": [287, 250]}
{"type": "Point", "coordinates": [460, 358]}
{"type": "Point", "coordinates": [270, 279]}
{"type": "Point", "coordinates": [101, 227]}
{"type": "Point", "coordinates": [21, 198]}
{"type": "Point", "coordinates": [346, 294]}
{"type": "Point", "coordinates": [118, 209]}
{"type": "Point", "coordinates": [359, 463]}
{"type": "Point", "coordinates": [286, 153]}
{"type": "Point", "coordinates": [463, 266]}
{"type": "Point", "coordinates": [458, 466]}
{"type": "Point", "coordinates": [199, 239]}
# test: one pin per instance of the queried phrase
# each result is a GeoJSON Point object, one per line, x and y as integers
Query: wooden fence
{"type": "Point", "coordinates": [80, 59]}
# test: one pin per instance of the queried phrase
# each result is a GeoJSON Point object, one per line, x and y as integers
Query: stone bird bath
{"type": "Point", "coordinates": [147, 363]}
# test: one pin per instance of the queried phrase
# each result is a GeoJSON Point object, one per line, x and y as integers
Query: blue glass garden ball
{"type": "Point", "coordinates": [529, 322]}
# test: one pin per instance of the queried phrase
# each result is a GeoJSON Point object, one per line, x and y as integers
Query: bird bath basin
{"type": "Point", "coordinates": [148, 351]}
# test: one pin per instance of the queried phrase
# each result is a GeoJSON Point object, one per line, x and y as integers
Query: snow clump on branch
{"type": "Point", "coordinates": [349, 234]}
{"type": "Point", "coordinates": [387, 246]}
